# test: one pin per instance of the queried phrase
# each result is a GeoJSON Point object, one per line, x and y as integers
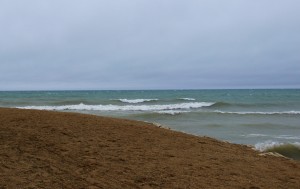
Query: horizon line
{"type": "Point", "coordinates": [41, 90]}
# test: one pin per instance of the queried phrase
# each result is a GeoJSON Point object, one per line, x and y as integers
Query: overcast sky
{"type": "Point", "coordinates": [149, 44]}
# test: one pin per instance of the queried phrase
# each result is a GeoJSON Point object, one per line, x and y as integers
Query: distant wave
{"type": "Point", "coordinates": [171, 112]}
{"type": "Point", "coordinates": [244, 105]}
{"type": "Point", "coordinates": [135, 101]}
{"type": "Point", "coordinates": [221, 104]}
{"type": "Point", "coordinates": [255, 135]}
{"type": "Point", "coordinates": [291, 150]}
{"type": "Point", "coordinates": [188, 99]}
{"type": "Point", "coordinates": [259, 113]}
{"type": "Point", "coordinates": [289, 137]}
{"type": "Point", "coordinates": [81, 106]}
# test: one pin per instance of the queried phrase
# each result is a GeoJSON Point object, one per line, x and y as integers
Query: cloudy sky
{"type": "Point", "coordinates": [149, 44]}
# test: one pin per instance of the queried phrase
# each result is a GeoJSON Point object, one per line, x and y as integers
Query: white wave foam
{"type": "Point", "coordinates": [254, 135]}
{"type": "Point", "coordinates": [259, 113]}
{"type": "Point", "coordinates": [189, 99]}
{"type": "Point", "coordinates": [135, 101]}
{"type": "Point", "coordinates": [264, 146]}
{"type": "Point", "coordinates": [181, 106]}
{"type": "Point", "coordinates": [288, 137]}
{"type": "Point", "coordinates": [172, 112]}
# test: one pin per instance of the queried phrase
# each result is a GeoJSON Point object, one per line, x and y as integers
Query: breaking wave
{"type": "Point", "coordinates": [81, 106]}
{"type": "Point", "coordinates": [291, 150]}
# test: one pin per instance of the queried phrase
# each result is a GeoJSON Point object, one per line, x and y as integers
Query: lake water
{"type": "Point", "coordinates": [263, 118]}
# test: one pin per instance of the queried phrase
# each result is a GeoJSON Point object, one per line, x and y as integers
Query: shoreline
{"type": "Point", "coordinates": [57, 149]}
{"type": "Point", "coordinates": [261, 153]}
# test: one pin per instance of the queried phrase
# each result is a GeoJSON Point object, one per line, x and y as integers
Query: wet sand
{"type": "Point", "coordinates": [42, 149]}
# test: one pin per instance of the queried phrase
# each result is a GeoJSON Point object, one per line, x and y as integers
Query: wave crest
{"type": "Point", "coordinates": [81, 106]}
{"type": "Point", "coordinates": [221, 104]}
{"type": "Point", "coordinates": [291, 150]}
{"type": "Point", "coordinates": [171, 112]}
{"type": "Point", "coordinates": [259, 113]}
{"type": "Point", "coordinates": [135, 101]}
{"type": "Point", "coordinates": [188, 99]}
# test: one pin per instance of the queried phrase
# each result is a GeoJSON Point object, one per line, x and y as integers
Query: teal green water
{"type": "Point", "coordinates": [264, 118]}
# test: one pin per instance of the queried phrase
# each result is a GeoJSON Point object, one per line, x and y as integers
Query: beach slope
{"type": "Point", "coordinates": [43, 149]}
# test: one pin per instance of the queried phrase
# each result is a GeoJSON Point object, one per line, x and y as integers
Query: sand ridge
{"type": "Point", "coordinates": [43, 149]}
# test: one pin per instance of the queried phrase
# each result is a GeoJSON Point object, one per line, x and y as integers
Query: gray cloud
{"type": "Point", "coordinates": [141, 44]}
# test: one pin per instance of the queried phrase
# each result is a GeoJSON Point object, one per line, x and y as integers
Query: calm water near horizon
{"type": "Point", "coordinates": [264, 118]}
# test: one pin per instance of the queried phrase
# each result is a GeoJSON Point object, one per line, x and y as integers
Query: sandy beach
{"type": "Point", "coordinates": [44, 149]}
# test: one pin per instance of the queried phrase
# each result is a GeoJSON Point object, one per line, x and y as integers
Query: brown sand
{"type": "Point", "coordinates": [40, 149]}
